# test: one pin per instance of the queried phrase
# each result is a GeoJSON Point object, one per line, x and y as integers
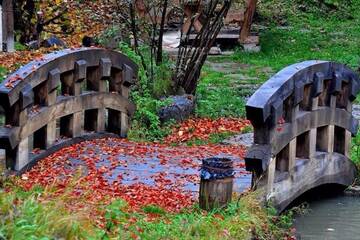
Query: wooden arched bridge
{"type": "Point", "coordinates": [63, 98]}
{"type": "Point", "coordinates": [303, 124]}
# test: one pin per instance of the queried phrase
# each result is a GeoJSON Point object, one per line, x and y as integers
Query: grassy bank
{"type": "Point", "coordinates": [307, 33]}
{"type": "Point", "coordinates": [36, 214]}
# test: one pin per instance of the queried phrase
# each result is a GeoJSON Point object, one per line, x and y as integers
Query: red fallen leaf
{"type": "Point", "coordinates": [9, 85]}
{"type": "Point", "coordinates": [203, 128]}
{"type": "Point", "coordinates": [36, 150]}
{"type": "Point", "coordinates": [134, 236]}
{"type": "Point", "coordinates": [281, 120]}
{"type": "Point", "coordinates": [186, 161]}
{"type": "Point", "coordinates": [103, 169]}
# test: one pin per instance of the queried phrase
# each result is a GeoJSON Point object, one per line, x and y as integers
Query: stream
{"type": "Point", "coordinates": [332, 218]}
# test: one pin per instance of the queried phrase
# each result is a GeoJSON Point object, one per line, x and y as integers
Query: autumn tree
{"type": "Point", "coordinates": [32, 18]}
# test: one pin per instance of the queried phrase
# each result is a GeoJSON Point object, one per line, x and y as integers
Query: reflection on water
{"type": "Point", "coordinates": [336, 218]}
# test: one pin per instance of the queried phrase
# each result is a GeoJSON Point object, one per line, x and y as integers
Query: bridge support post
{"type": "Point", "coordinates": [22, 151]}
{"type": "Point", "coordinates": [271, 176]}
{"type": "Point", "coordinates": [94, 84]}
{"type": "Point", "coordinates": [78, 117]}
{"type": "Point", "coordinates": [292, 156]}
{"type": "Point", "coordinates": [313, 131]}
{"type": "Point", "coordinates": [22, 157]}
{"type": "Point", "coordinates": [77, 124]}
{"type": "Point", "coordinates": [51, 126]}
{"type": "Point", "coordinates": [124, 121]}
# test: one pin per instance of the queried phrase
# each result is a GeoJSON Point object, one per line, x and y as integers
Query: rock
{"type": "Point", "coordinates": [356, 111]}
{"type": "Point", "coordinates": [251, 47]}
{"type": "Point", "coordinates": [88, 41]}
{"type": "Point", "coordinates": [245, 139]}
{"type": "Point", "coordinates": [33, 45]}
{"type": "Point", "coordinates": [181, 108]}
{"type": "Point", "coordinates": [353, 191]}
{"type": "Point", "coordinates": [114, 42]}
{"type": "Point", "coordinates": [171, 39]}
{"type": "Point", "coordinates": [215, 51]}
{"type": "Point", "coordinates": [53, 41]}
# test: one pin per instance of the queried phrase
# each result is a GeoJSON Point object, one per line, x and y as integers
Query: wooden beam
{"type": "Point", "coordinates": [313, 131]}
{"type": "Point", "coordinates": [22, 156]}
{"type": "Point", "coordinates": [271, 176]}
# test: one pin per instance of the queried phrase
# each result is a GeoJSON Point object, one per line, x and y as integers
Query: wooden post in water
{"type": "Point", "coordinates": [216, 184]}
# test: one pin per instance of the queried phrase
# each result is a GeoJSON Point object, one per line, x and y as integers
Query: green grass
{"type": "Point", "coordinates": [316, 34]}
{"type": "Point", "coordinates": [3, 73]}
{"type": "Point", "coordinates": [214, 138]}
{"type": "Point", "coordinates": [308, 36]}
{"type": "Point", "coordinates": [23, 217]}
{"type": "Point", "coordinates": [216, 97]}
{"type": "Point", "coordinates": [36, 214]}
{"type": "Point", "coordinates": [239, 220]}
{"type": "Point", "coordinates": [355, 150]}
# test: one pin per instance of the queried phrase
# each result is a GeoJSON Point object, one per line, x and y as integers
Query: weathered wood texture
{"type": "Point", "coordinates": [7, 26]}
{"type": "Point", "coordinates": [240, 15]}
{"type": "Point", "coordinates": [215, 193]}
{"type": "Point", "coordinates": [248, 18]}
{"type": "Point", "coordinates": [300, 115]}
{"type": "Point", "coordinates": [75, 92]}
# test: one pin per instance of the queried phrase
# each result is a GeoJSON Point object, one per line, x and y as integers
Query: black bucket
{"type": "Point", "coordinates": [217, 168]}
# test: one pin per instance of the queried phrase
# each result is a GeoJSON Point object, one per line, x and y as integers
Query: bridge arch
{"type": "Point", "coordinates": [303, 125]}
{"type": "Point", "coordinates": [63, 98]}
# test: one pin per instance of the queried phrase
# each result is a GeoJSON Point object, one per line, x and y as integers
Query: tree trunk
{"type": "Point", "coordinates": [249, 14]}
{"type": "Point", "coordinates": [161, 33]}
{"type": "Point", "coordinates": [8, 25]}
{"type": "Point", "coordinates": [191, 59]}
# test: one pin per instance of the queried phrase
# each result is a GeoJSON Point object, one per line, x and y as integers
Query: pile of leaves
{"type": "Point", "coordinates": [203, 128]}
{"type": "Point", "coordinates": [100, 171]}
{"type": "Point", "coordinates": [13, 61]}
{"type": "Point", "coordinates": [103, 170]}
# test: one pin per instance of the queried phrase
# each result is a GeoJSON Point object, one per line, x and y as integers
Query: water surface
{"type": "Point", "coordinates": [335, 218]}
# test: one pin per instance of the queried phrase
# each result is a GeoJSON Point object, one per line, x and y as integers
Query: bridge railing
{"type": "Point", "coordinates": [303, 112]}
{"type": "Point", "coordinates": [62, 98]}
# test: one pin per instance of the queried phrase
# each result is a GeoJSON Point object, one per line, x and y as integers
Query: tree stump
{"type": "Point", "coordinates": [216, 183]}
